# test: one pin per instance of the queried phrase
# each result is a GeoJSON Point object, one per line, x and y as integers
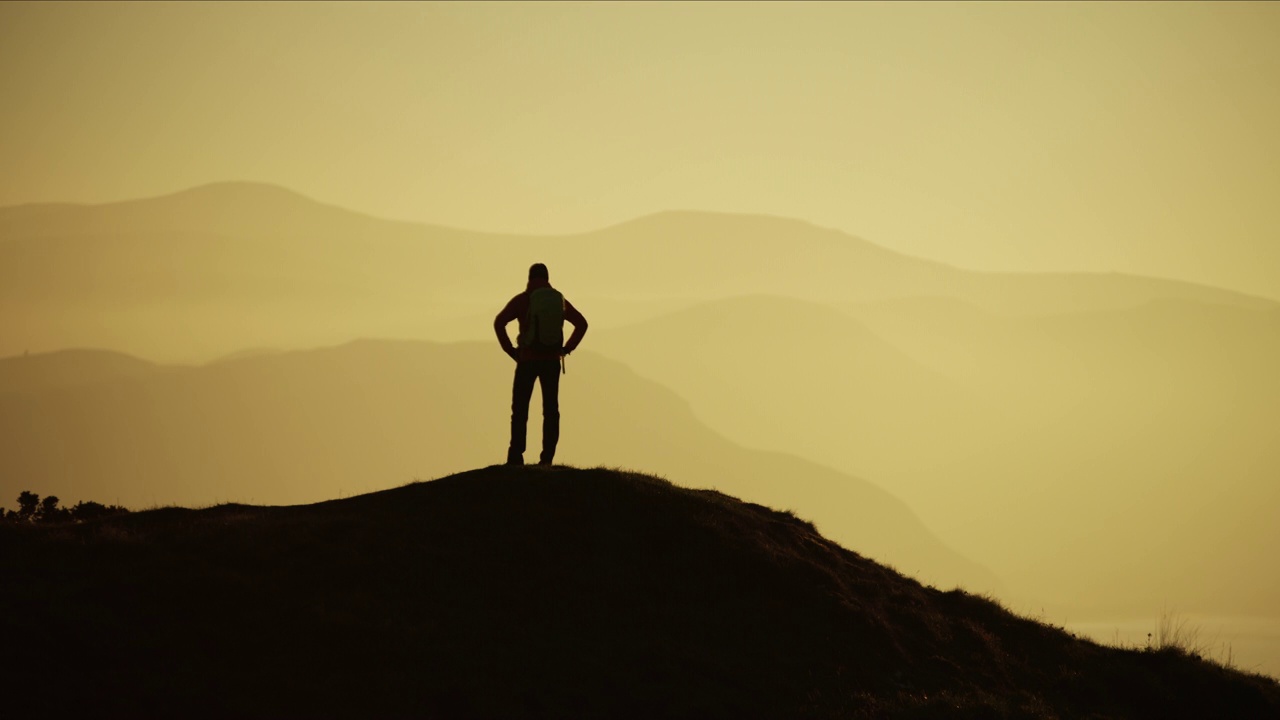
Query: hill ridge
{"type": "Point", "coordinates": [543, 592]}
{"type": "Point", "coordinates": [55, 258]}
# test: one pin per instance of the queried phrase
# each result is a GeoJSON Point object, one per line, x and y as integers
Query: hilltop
{"type": "Point", "coordinates": [538, 592]}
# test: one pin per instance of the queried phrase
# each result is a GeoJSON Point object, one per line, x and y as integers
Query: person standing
{"type": "Point", "coordinates": [541, 311]}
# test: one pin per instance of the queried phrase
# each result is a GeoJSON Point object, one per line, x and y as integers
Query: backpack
{"type": "Point", "coordinates": [544, 325]}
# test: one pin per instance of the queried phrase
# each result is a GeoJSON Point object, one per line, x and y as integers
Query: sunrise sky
{"type": "Point", "coordinates": [1128, 137]}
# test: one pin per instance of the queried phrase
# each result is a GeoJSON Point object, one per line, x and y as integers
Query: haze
{"type": "Point", "coordinates": [991, 292]}
{"type": "Point", "coordinates": [1127, 137]}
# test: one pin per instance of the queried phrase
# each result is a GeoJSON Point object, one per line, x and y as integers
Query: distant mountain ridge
{"type": "Point", "coordinates": [69, 368]}
{"type": "Point", "coordinates": [305, 425]}
{"type": "Point", "coordinates": [780, 373]}
{"type": "Point", "coordinates": [208, 271]}
{"type": "Point", "coordinates": [218, 207]}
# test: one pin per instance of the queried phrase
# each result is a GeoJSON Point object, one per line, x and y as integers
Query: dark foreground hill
{"type": "Point", "coordinates": [520, 593]}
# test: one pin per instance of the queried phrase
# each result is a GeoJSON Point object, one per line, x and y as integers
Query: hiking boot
{"type": "Point", "coordinates": [515, 459]}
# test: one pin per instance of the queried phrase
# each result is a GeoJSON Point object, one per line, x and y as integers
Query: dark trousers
{"type": "Point", "coordinates": [547, 372]}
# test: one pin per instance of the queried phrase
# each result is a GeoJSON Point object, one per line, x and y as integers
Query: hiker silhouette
{"type": "Point", "coordinates": [541, 311]}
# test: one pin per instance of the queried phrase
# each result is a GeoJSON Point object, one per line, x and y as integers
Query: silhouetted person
{"type": "Point", "coordinates": [541, 310]}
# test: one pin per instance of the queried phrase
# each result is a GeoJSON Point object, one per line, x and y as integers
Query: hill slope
{"type": "Point", "coordinates": [1132, 452]}
{"type": "Point", "coordinates": [793, 376]}
{"type": "Point", "coordinates": [1143, 456]}
{"type": "Point", "coordinates": [538, 593]}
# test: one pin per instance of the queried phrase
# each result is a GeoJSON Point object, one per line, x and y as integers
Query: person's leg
{"type": "Point", "coordinates": [549, 378]}
{"type": "Point", "coordinates": [521, 392]}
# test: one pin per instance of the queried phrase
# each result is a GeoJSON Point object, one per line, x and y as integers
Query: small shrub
{"type": "Point", "coordinates": [31, 509]}
{"type": "Point", "coordinates": [27, 504]}
{"type": "Point", "coordinates": [1175, 632]}
{"type": "Point", "coordinates": [49, 511]}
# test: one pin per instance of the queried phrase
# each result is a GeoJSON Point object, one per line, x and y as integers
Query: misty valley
{"type": "Point", "coordinates": [605, 360]}
{"type": "Point", "coordinates": [1082, 447]}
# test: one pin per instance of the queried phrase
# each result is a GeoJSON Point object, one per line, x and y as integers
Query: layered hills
{"type": "Point", "coordinates": [781, 373]}
{"type": "Point", "coordinates": [1144, 435]}
{"type": "Point", "coordinates": [1129, 451]}
{"type": "Point", "coordinates": [301, 426]}
{"type": "Point", "coordinates": [1104, 442]}
{"type": "Point", "coordinates": [537, 593]}
{"type": "Point", "coordinates": [211, 270]}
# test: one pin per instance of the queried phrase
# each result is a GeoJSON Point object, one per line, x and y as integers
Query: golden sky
{"type": "Point", "coordinates": [1128, 137]}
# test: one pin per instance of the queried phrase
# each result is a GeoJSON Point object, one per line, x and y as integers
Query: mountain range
{"type": "Point", "coordinates": [304, 426]}
{"type": "Point", "coordinates": [215, 269]}
{"type": "Point", "coordinates": [1097, 439]}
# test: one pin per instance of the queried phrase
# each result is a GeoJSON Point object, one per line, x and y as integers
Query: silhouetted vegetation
{"type": "Point", "coordinates": [540, 593]}
{"type": "Point", "coordinates": [33, 509]}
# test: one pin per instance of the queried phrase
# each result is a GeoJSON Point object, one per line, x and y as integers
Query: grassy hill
{"type": "Point", "coordinates": [537, 593]}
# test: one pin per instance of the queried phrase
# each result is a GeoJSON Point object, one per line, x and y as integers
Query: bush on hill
{"type": "Point", "coordinates": [32, 509]}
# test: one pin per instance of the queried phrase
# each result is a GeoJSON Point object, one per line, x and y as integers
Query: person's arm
{"type": "Point", "coordinates": [579, 324]}
{"type": "Point", "coordinates": [509, 313]}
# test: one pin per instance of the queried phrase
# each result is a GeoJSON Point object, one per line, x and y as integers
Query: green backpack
{"type": "Point", "coordinates": [544, 325]}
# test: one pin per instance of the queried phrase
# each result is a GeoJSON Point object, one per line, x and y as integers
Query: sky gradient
{"type": "Point", "coordinates": [1074, 136]}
